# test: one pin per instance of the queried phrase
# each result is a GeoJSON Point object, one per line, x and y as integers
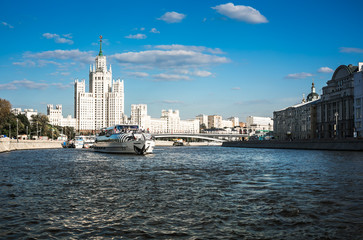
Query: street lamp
{"type": "Point", "coordinates": [9, 130]}
{"type": "Point", "coordinates": [17, 129]}
{"type": "Point", "coordinates": [336, 123]}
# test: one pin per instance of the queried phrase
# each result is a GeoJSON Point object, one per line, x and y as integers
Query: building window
{"type": "Point", "coordinates": [358, 113]}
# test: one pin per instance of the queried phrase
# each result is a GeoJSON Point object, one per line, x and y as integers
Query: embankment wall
{"type": "Point", "coordinates": [10, 145]}
{"type": "Point", "coordinates": [335, 145]}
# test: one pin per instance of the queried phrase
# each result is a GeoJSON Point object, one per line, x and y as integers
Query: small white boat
{"type": "Point", "coordinates": [78, 142]}
{"type": "Point", "coordinates": [124, 139]}
{"type": "Point", "coordinates": [89, 141]}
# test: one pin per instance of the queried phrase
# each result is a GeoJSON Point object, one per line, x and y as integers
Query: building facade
{"type": "Point", "coordinates": [169, 122]}
{"type": "Point", "coordinates": [103, 105]}
{"type": "Point", "coordinates": [203, 119]}
{"type": "Point", "coordinates": [337, 114]}
{"type": "Point", "coordinates": [27, 112]}
{"type": "Point", "coordinates": [215, 121]}
{"type": "Point", "coordinates": [335, 111]}
{"type": "Point", "coordinates": [56, 118]}
{"type": "Point", "coordinates": [358, 101]}
{"type": "Point", "coordinates": [234, 120]}
{"type": "Point", "coordinates": [298, 121]}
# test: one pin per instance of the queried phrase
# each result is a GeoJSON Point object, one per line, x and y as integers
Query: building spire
{"type": "Point", "coordinates": [313, 87]}
{"type": "Point", "coordinates": [100, 53]}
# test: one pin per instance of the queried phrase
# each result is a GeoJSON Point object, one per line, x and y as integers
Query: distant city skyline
{"type": "Point", "coordinates": [230, 58]}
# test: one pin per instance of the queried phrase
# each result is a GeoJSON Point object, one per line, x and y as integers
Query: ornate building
{"type": "Point", "coordinates": [358, 101]}
{"type": "Point", "coordinates": [335, 111]}
{"type": "Point", "coordinates": [298, 121]}
{"type": "Point", "coordinates": [337, 114]}
{"type": "Point", "coordinates": [103, 105]}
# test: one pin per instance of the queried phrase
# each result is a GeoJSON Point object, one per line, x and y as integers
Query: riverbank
{"type": "Point", "coordinates": [12, 144]}
{"type": "Point", "coordinates": [318, 144]}
{"type": "Point", "coordinates": [170, 143]}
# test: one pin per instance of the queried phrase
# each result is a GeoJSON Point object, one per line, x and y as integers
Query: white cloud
{"type": "Point", "coordinates": [23, 83]}
{"type": "Point", "coordinates": [173, 58]}
{"type": "Point", "coordinates": [142, 29]}
{"type": "Point", "coordinates": [351, 50]}
{"type": "Point", "coordinates": [68, 35]}
{"type": "Point", "coordinates": [75, 55]}
{"type": "Point", "coordinates": [201, 73]}
{"type": "Point", "coordinates": [190, 48]}
{"type": "Point", "coordinates": [63, 86]}
{"type": "Point", "coordinates": [42, 63]}
{"type": "Point", "coordinates": [138, 74]}
{"type": "Point", "coordinates": [137, 36]}
{"type": "Point", "coordinates": [6, 24]}
{"type": "Point", "coordinates": [172, 102]}
{"type": "Point", "coordinates": [8, 86]}
{"type": "Point", "coordinates": [30, 84]}
{"type": "Point", "coordinates": [172, 17]}
{"type": "Point", "coordinates": [298, 75]}
{"type": "Point", "coordinates": [241, 13]}
{"type": "Point", "coordinates": [154, 30]}
{"type": "Point", "coordinates": [17, 84]}
{"type": "Point", "coordinates": [59, 39]}
{"type": "Point", "coordinates": [236, 88]}
{"type": "Point", "coordinates": [26, 63]}
{"type": "Point", "coordinates": [325, 70]}
{"type": "Point", "coordinates": [170, 77]}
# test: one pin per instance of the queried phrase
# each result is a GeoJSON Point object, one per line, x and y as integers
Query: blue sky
{"type": "Point", "coordinates": [232, 58]}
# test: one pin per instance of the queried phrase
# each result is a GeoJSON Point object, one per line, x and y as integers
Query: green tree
{"type": "Point", "coordinates": [24, 124]}
{"type": "Point", "coordinates": [40, 125]}
{"type": "Point", "coordinates": [5, 108]}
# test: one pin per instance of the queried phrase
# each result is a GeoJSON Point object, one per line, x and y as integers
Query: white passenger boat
{"type": "Point", "coordinates": [89, 141]}
{"type": "Point", "coordinates": [84, 141]}
{"type": "Point", "coordinates": [78, 142]}
{"type": "Point", "coordinates": [124, 139]}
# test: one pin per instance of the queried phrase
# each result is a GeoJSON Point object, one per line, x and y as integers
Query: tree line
{"type": "Point", "coordinates": [11, 124]}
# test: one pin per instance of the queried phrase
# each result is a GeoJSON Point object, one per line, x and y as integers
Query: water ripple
{"type": "Point", "coordinates": [181, 193]}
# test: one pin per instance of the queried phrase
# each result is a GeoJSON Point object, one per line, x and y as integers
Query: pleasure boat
{"type": "Point", "coordinates": [78, 142]}
{"type": "Point", "coordinates": [124, 139]}
{"type": "Point", "coordinates": [89, 141]}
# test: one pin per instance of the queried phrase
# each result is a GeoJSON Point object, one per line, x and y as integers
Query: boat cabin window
{"type": "Point", "coordinates": [102, 132]}
{"type": "Point", "coordinates": [126, 128]}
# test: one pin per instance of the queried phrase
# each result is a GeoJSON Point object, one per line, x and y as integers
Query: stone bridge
{"type": "Point", "coordinates": [206, 136]}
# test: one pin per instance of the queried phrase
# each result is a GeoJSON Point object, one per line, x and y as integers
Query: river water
{"type": "Point", "coordinates": [181, 193]}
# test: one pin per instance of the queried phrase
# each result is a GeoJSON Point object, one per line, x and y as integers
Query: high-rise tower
{"type": "Point", "coordinates": [103, 106]}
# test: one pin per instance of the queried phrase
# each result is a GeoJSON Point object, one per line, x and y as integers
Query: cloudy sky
{"type": "Point", "coordinates": [233, 58]}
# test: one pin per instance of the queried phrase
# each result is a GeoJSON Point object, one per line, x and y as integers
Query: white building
{"type": "Point", "coordinates": [203, 119]}
{"type": "Point", "coordinates": [139, 116]}
{"type": "Point", "coordinates": [169, 122]}
{"type": "Point", "coordinates": [55, 117]}
{"type": "Point", "coordinates": [214, 121]}
{"type": "Point", "coordinates": [234, 120]}
{"type": "Point", "coordinates": [259, 124]}
{"type": "Point", "coordinates": [103, 105]}
{"type": "Point", "coordinates": [358, 100]}
{"type": "Point", "coordinates": [27, 112]}
{"type": "Point", "coordinates": [226, 124]}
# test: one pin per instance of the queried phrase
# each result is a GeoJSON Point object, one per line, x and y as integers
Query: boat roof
{"type": "Point", "coordinates": [122, 126]}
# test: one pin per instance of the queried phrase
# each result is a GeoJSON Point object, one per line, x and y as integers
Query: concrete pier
{"type": "Point", "coordinates": [7, 144]}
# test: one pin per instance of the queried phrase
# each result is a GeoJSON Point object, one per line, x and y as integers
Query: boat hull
{"type": "Point", "coordinates": [132, 147]}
